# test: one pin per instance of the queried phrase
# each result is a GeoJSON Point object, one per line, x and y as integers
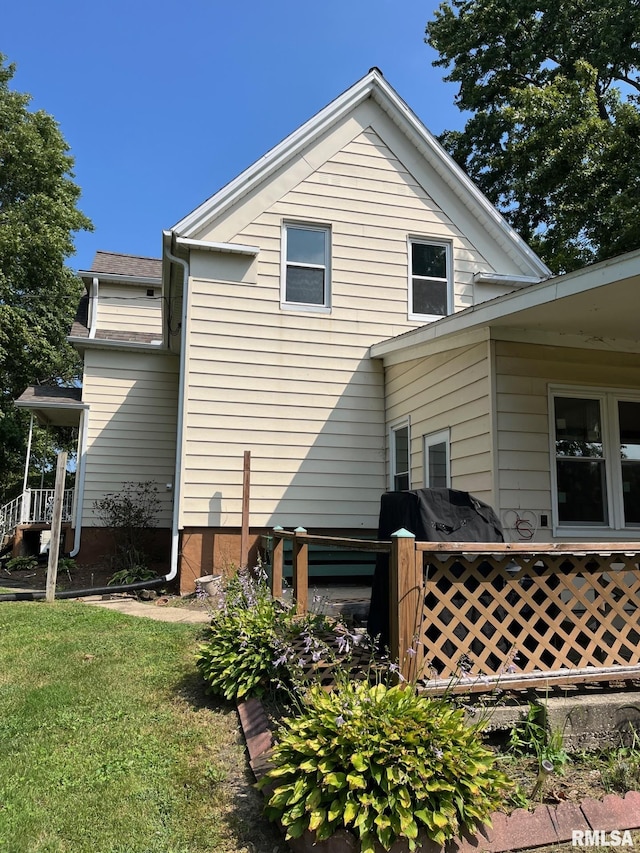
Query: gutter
{"type": "Point", "coordinates": [177, 484]}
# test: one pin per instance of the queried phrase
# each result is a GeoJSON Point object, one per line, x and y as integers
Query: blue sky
{"type": "Point", "coordinates": [163, 103]}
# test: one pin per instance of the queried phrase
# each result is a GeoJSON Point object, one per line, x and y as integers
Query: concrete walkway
{"type": "Point", "coordinates": [157, 609]}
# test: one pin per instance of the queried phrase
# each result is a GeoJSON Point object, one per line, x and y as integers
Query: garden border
{"type": "Point", "coordinates": [547, 824]}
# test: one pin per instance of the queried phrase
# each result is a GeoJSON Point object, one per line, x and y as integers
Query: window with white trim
{"type": "Point", "coordinates": [306, 271]}
{"type": "Point", "coordinates": [436, 460]}
{"type": "Point", "coordinates": [400, 457]}
{"type": "Point", "coordinates": [429, 279]}
{"type": "Point", "coordinates": [596, 438]}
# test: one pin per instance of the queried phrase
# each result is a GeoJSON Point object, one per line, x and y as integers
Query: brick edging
{"type": "Point", "coordinates": [520, 830]}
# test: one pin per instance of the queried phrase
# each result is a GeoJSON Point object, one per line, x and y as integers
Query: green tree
{"type": "Point", "coordinates": [553, 138]}
{"type": "Point", "coordinates": [38, 292]}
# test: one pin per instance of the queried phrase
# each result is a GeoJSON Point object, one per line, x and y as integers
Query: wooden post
{"type": "Point", "coordinates": [277, 560]}
{"type": "Point", "coordinates": [405, 604]}
{"type": "Point", "coordinates": [300, 571]}
{"type": "Point", "coordinates": [244, 534]}
{"type": "Point", "coordinates": [56, 526]}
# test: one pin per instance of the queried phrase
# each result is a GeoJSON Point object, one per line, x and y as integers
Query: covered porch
{"type": "Point", "coordinates": [27, 515]}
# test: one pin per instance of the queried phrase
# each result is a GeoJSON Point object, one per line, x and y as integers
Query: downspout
{"type": "Point", "coordinates": [177, 484]}
{"type": "Point", "coordinates": [82, 455]}
{"type": "Point", "coordinates": [93, 307]}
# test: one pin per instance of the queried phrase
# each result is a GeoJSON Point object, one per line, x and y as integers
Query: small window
{"type": "Point", "coordinates": [436, 460]}
{"type": "Point", "coordinates": [400, 456]}
{"type": "Point", "coordinates": [306, 265]}
{"type": "Point", "coordinates": [429, 286]}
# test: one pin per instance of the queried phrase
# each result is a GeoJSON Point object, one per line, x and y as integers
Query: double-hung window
{"type": "Point", "coordinates": [436, 460]}
{"type": "Point", "coordinates": [306, 271]}
{"type": "Point", "coordinates": [430, 290]}
{"type": "Point", "coordinates": [596, 442]}
{"type": "Point", "coordinates": [400, 456]}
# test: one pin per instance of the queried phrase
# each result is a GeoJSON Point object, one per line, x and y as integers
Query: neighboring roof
{"type": "Point", "coordinates": [130, 266]}
{"type": "Point", "coordinates": [52, 404]}
{"type": "Point", "coordinates": [372, 85]}
{"type": "Point", "coordinates": [593, 305]}
{"type": "Point", "coordinates": [80, 326]}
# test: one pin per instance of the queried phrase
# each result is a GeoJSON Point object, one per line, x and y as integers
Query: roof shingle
{"type": "Point", "coordinates": [135, 266]}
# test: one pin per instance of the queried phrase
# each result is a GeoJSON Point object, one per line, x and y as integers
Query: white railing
{"type": "Point", "coordinates": [34, 506]}
{"type": "Point", "coordinates": [10, 517]}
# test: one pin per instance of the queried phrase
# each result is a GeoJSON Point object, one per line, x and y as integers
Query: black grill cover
{"type": "Point", "coordinates": [432, 515]}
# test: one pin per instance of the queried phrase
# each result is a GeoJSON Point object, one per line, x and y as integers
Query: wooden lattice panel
{"type": "Point", "coordinates": [521, 613]}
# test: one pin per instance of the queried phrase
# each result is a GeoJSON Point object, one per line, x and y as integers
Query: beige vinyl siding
{"type": "Point", "coordinates": [523, 375]}
{"type": "Point", "coordinates": [307, 403]}
{"type": "Point", "coordinates": [132, 399]}
{"type": "Point", "coordinates": [127, 308]}
{"type": "Point", "coordinates": [298, 388]}
{"type": "Point", "coordinates": [372, 204]}
{"type": "Point", "coordinates": [447, 391]}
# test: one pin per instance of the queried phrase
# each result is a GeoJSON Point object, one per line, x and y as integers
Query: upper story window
{"type": "Point", "coordinates": [306, 270]}
{"type": "Point", "coordinates": [429, 279]}
{"type": "Point", "coordinates": [596, 438]}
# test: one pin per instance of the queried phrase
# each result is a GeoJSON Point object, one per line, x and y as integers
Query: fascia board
{"type": "Point", "coordinates": [118, 278]}
{"type": "Point", "coordinates": [33, 404]}
{"type": "Point", "coordinates": [100, 343]}
{"type": "Point", "coordinates": [452, 174]}
{"type": "Point", "coordinates": [276, 157]}
{"type": "Point", "coordinates": [208, 246]}
{"type": "Point", "coordinates": [375, 86]}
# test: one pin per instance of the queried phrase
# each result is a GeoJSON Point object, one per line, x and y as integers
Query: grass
{"type": "Point", "coordinates": [108, 744]}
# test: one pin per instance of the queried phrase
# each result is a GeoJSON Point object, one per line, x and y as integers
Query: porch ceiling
{"type": "Point", "coordinates": [605, 312]}
{"type": "Point", "coordinates": [53, 406]}
{"type": "Point", "coordinates": [592, 307]}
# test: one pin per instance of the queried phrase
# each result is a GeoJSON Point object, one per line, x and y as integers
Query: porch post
{"type": "Point", "coordinates": [405, 603]}
{"type": "Point", "coordinates": [300, 571]}
{"type": "Point", "coordinates": [27, 460]}
{"type": "Point", "coordinates": [277, 554]}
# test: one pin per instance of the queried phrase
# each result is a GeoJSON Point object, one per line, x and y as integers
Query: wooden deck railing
{"type": "Point", "coordinates": [474, 614]}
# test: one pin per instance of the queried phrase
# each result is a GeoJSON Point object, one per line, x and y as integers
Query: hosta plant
{"type": "Point", "coordinates": [385, 762]}
{"type": "Point", "coordinates": [248, 647]}
{"type": "Point", "coordinates": [237, 659]}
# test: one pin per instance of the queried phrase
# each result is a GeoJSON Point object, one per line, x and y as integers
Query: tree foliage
{"type": "Point", "coordinates": [38, 292]}
{"type": "Point", "coordinates": [553, 139]}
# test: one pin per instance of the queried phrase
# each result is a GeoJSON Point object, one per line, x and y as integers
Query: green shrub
{"type": "Point", "coordinates": [249, 644]}
{"type": "Point", "coordinates": [130, 515]}
{"type": "Point", "coordinates": [384, 761]}
{"type": "Point", "coordinates": [132, 574]}
{"type": "Point", "coordinates": [22, 564]}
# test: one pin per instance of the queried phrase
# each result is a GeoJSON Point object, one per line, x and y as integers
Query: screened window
{"type": "Point", "coordinates": [400, 479]}
{"type": "Point", "coordinates": [597, 465]}
{"type": "Point", "coordinates": [306, 274]}
{"type": "Point", "coordinates": [429, 292]}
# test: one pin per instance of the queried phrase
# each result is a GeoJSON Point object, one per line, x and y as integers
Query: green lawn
{"type": "Point", "coordinates": [108, 745]}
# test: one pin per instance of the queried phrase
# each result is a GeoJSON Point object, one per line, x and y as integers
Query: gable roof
{"type": "Point", "coordinates": [374, 86]}
{"type": "Point", "coordinates": [128, 266]}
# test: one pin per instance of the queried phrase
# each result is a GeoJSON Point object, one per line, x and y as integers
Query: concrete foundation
{"type": "Point", "coordinates": [589, 719]}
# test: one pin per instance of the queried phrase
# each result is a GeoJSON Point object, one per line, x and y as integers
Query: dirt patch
{"type": "Point", "coordinates": [78, 577]}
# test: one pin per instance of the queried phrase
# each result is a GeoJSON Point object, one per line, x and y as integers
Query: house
{"type": "Point", "coordinates": [352, 311]}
